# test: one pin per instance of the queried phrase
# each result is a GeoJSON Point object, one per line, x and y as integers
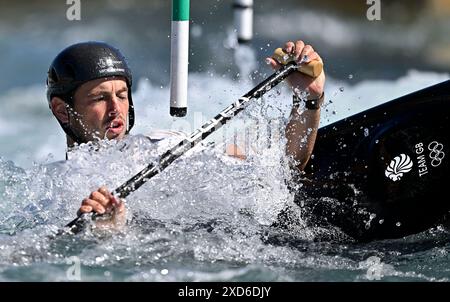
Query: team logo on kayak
{"type": "Point", "coordinates": [436, 154]}
{"type": "Point", "coordinates": [399, 165]}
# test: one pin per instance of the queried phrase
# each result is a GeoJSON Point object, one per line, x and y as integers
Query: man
{"type": "Point", "coordinates": [89, 92]}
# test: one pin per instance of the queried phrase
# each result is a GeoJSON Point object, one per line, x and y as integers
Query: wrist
{"type": "Point", "coordinates": [310, 103]}
{"type": "Point", "coordinates": [314, 96]}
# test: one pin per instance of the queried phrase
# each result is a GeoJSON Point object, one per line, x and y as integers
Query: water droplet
{"type": "Point", "coordinates": [381, 221]}
{"type": "Point", "coordinates": [341, 89]}
{"type": "Point", "coordinates": [164, 272]}
{"type": "Point", "coordinates": [350, 76]}
{"type": "Point", "coordinates": [398, 224]}
{"type": "Point", "coordinates": [196, 31]}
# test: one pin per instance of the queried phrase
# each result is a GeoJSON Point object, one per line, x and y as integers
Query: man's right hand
{"type": "Point", "coordinates": [103, 202]}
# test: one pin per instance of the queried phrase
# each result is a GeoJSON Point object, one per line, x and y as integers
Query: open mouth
{"type": "Point", "coordinates": [115, 126]}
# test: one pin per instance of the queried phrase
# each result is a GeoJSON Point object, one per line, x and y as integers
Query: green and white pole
{"type": "Point", "coordinates": [179, 57]}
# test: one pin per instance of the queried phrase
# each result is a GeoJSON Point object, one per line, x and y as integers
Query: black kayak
{"type": "Point", "coordinates": [382, 173]}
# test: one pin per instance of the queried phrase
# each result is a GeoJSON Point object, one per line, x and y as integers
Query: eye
{"type": "Point", "coordinates": [98, 98]}
{"type": "Point", "coordinates": [123, 96]}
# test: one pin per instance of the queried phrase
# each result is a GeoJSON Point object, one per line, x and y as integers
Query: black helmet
{"type": "Point", "coordinates": [83, 62]}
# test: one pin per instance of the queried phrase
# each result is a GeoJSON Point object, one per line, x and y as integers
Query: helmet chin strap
{"type": "Point", "coordinates": [128, 125]}
{"type": "Point", "coordinates": [77, 139]}
{"type": "Point", "coordinates": [68, 130]}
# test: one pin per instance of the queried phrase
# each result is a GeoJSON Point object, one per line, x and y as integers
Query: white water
{"type": "Point", "coordinates": [205, 218]}
{"type": "Point", "coordinates": [205, 208]}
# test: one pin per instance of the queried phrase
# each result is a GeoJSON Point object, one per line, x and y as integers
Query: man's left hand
{"type": "Point", "coordinates": [298, 80]}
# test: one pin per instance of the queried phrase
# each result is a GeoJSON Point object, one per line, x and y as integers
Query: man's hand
{"type": "Point", "coordinates": [301, 130]}
{"type": "Point", "coordinates": [103, 202]}
{"type": "Point", "coordinates": [298, 80]}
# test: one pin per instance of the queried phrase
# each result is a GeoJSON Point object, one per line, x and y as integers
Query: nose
{"type": "Point", "coordinates": [114, 106]}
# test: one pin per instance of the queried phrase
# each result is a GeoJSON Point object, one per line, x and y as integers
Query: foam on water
{"type": "Point", "coordinates": [207, 205]}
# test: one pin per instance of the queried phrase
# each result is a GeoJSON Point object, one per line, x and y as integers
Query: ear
{"type": "Point", "coordinates": [59, 110]}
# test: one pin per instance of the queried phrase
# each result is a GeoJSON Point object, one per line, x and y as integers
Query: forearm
{"type": "Point", "coordinates": [301, 133]}
{"type": "Point", "coordinates": [301, 130]}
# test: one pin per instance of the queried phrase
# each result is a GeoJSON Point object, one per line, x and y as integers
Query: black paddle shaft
{"type": "Point", "coordinates": [200, 134]}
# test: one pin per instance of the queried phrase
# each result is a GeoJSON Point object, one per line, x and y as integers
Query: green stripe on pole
{"type": "Point", "coordinates": [180, 10]}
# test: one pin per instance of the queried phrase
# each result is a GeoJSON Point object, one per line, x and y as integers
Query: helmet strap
{"type": "Point", "coordinates": [68, 130]}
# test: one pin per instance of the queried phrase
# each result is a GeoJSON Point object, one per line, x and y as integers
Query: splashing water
{"type": "Point", "coordinates": [205, 218]}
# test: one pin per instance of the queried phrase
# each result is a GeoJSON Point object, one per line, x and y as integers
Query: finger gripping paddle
{"type": "Point", "coordinates": [313, 68]}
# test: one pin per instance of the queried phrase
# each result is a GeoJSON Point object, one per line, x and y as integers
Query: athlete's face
{"type": "Point", "coordinates": [101, 109]}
